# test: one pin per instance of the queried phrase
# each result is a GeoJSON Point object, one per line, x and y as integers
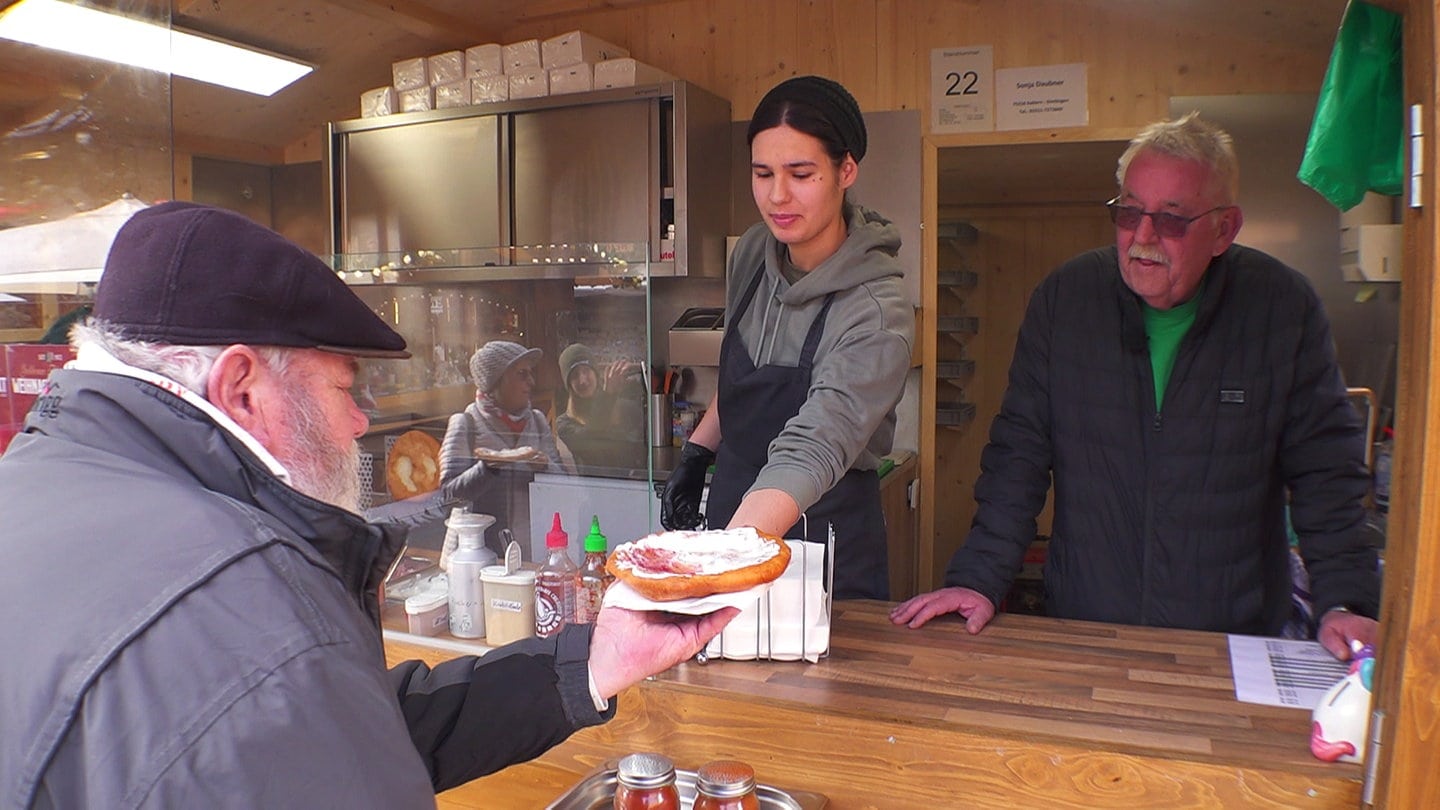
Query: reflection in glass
{"type": "Point", "coordinates": [471, 329]}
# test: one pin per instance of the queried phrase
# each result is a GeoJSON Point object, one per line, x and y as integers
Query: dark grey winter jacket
{"type": "Point", "coordinates": [1175, 518]}
{"type": "Point", "coordinates": [184, 630]}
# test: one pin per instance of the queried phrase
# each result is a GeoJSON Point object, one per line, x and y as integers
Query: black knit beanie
{"type": "Point", "coordinates": [832, 100]}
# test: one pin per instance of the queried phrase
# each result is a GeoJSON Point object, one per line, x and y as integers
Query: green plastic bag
{"type": "Point", "coordinates": [1356, 141]}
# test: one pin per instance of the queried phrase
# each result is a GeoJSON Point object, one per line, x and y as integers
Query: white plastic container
{"type": "Point", "coordinates": [509, 605]}
{"type": "Point", "coordinates": [428, 612]}
{"type": "Point", "coordinates": [471, 557]}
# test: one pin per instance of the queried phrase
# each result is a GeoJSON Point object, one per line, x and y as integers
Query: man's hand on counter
{"type": "Point", "coordinates": [1339, 627]}
{"type": "Point", "coordinates": [915, 612]}
{"type": "Point", "coordinates": [628, 646]}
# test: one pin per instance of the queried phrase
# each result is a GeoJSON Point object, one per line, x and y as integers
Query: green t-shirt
{"type": "Point", "coordinates": [1165, 328]}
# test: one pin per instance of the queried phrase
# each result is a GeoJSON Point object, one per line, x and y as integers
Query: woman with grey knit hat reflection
{"type": "Point", "coordinates": [816, 351]}
{"type": "Point", "coordinates": [494, 447]}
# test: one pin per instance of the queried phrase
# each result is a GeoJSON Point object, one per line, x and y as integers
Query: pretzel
{"type": "Point", "coordinates": [413, 466]}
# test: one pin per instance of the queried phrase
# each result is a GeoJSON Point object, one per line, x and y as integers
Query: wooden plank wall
{"type": "Point", "coordinates": [1138, 52]}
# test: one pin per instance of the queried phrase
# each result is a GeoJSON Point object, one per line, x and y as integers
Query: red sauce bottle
{"type": "Point", "coordinates": [646, 782]}
{"type": "Point", "coordinates": [726, 784]}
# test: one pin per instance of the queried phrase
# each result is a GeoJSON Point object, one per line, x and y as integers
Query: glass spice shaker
{"type": "Point", "coordinates": [726, 784]}
{"type": "Point", "coordinates": [646, 782]}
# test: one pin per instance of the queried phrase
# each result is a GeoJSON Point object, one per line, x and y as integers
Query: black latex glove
{"type": "Point", "coordinates": [680, 502]}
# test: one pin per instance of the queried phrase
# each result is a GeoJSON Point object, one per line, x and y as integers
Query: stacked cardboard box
{"type": "Point", "coordinates": [573, 62]}
{"type": "Point", "coordinates": [627, 72]}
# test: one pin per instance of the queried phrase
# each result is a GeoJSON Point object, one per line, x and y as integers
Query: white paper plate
{"type": "Point", "coordinates": [621, 595]}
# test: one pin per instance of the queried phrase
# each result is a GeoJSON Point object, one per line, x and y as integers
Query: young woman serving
{"type": "Point", "coordinates": [816, 349]}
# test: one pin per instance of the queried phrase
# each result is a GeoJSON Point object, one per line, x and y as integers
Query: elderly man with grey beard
{"type": "Point", "coordinates": [1182, 393]}
{"type": "Point", "coordinates": [192, 597]}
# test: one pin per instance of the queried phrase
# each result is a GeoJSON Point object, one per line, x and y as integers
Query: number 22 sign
{"type": "Point", "coordinates": [962, 89]}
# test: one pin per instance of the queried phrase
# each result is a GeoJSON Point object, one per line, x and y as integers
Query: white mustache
{"type": "Point", "coordinates": [1148, 254]}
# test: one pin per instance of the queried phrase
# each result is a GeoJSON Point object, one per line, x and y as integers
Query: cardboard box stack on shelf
{"type": "Point", "coordinates": [573, 62]}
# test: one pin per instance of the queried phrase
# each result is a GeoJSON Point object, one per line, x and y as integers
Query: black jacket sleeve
{"type": "Point", "coordinates": [1322, 451]}
{"type": "Point", "coordinates": [1014, 466]}
{"type": "Point", "coordinates": [472, 716]}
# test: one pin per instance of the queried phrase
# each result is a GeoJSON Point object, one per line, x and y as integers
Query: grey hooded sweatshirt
{"type": "Point", "coordinates": [848, 419]}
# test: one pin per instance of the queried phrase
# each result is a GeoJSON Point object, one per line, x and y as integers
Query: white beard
{"type": "Point", "coordinates": [316, 468]}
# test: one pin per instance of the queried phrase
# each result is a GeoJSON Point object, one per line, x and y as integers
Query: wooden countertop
{"type": "Point", "coordinates": [1031, 712]}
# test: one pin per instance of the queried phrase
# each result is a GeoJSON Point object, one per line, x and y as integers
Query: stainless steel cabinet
{"type": "Point", "coordinates": [436, 185]}
{"type": "Point", "coordinates": [583, 171]}
{"type": "Point", "coordinates": [626, 165]}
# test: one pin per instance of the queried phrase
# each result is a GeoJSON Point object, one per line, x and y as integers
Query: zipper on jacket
{"type": "Point", "coordinates": [1148, 526]}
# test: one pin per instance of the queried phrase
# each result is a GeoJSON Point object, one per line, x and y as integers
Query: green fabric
{"type": "Point", "coordinates": [1165, 328]}
{"type": "Point", "coordinates": [1356, 140]}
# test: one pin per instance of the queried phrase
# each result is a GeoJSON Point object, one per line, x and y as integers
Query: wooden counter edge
{"type": "Point", "coordinates": [883, 762]}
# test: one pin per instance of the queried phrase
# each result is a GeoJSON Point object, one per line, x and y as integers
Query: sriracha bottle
{"type": "Point", "coordinates": [555, 584]}
{"type": "Point", "coordinates": [594, 579]}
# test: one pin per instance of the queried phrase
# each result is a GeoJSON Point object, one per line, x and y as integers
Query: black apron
{"type": "Point", "coordinates": [755, 403]}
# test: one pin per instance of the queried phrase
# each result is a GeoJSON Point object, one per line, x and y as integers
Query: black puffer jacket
{"type": "Point", "coordinates": [1175, 518]}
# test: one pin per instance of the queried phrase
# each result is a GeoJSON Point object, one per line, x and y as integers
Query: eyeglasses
{"type": "Point", "coordinates": [1170, 226]}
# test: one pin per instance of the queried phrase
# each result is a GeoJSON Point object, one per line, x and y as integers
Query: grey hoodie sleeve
{"type": "Point", "coordinates": [856, 383]}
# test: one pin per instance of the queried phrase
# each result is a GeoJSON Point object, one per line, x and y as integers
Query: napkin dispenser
{"type": "Point", "coordinates": [791, 621]}
{"type": "Point", "coordinates": [695, 337]}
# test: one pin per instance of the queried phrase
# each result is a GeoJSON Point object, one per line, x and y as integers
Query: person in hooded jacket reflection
{"type": "Point", "coordinates": [603, 419]}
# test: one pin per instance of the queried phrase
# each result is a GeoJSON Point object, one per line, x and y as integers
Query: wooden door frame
{"type": "Point", "coordinates": [1408, 678]}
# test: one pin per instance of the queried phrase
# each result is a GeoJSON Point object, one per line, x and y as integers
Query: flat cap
{"type": "Point", "coordinates": [186, 274]}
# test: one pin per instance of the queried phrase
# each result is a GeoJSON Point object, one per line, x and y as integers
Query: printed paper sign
{"type": "Point", "coordinates": [1043, 97]}
{"type": "Point", "coordinates": [1282, 672]}
{"type": "Point", "coordinates": [961, 89]}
